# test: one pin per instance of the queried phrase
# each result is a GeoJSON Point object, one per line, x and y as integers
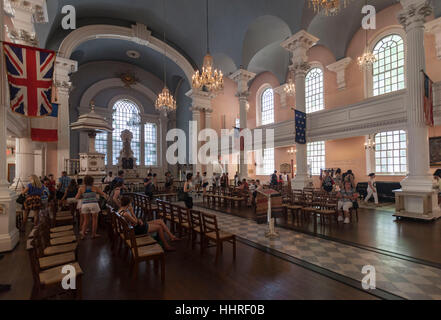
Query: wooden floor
{"type": "Point", "coordinates": [254, 275]}
{"type": "Point", "coordinates": [376, 228]}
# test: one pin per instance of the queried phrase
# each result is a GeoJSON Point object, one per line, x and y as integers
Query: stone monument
{"type": "Point", "coordinates": [126, 159]}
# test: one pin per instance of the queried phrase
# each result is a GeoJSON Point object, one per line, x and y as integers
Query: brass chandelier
{"type": "Point", "coordinates": [367, 59]}
{"type": "Point", "coordinates": [211, 79]}
{"type": "Point", "coordinates": [165, 101]}
{"type": "Point", "coordinates": [328, 7]}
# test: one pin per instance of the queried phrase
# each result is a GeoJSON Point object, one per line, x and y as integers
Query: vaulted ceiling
{"type": "Point", "coordinates": [242, 32]}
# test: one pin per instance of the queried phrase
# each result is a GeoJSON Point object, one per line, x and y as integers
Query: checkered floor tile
{"type": "Point", "coordinates": [400, 277]}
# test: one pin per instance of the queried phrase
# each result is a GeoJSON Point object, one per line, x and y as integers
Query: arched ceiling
{"type": "Point", "coordinates": [115, 50]}
{"type": "Point", "coordinates": [242, 32]}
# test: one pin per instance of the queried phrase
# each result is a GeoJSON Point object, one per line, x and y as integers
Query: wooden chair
{"type": "Point", "coordinates": [197, 228]}
{"type": "Point", "coordinates": [142, 253]}
{"type": "Point", "coordinates": [47, 281]}
{"type": "Point", "coordinates": [184, 223]}
{"type": "Point", "coordinates": [214, 234]}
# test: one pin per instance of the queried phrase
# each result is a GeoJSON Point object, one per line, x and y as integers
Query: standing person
{"type": "Point", "coordinates": [372, 189]}
{"type": "Point", "coordinates": [327, 182]}
{"type": "Point", "coordinates": [52, 188]}
{"type": "Point", "coordinates": [338, 179]}
{"type": "Point", "coordinates": [89, 205]}
{"type": "Point", "coordinates": [117, 179]}
{"type": "Point", "coordinates": [188, 187]}
{"type": "Point", "coordinates": [223, 184]}
{"type": "Point", "coordinates": [273, 180]}
{"type": "Point", "coordinates": [205, 182]}
{"type": "Point", "coordinates": [33, 191]}
{"type": "Point", "coordinates": [346, 198]}
{"type": "Point", "coordinates": [140, 227]}
{"type": "Point", "coordinates": [349, 177]}
{"type": "Point", "coordinates": [109, 178]}
{"type": "Point", "coordinates": [148, 186]}
{"type": "Point", "coordinates": [168, 181]}
{"type": "Point", "coordinates": [198, 182]}
{"type": "Point", "coordinates": [69, 195]}
{"type": "Point", "coordinates": [236, 179]}
{"type": "Point", "coordinates": [63, 183]}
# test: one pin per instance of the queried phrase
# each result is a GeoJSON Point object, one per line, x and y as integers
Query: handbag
{"type": "Point", "coordinates": [21, 198]}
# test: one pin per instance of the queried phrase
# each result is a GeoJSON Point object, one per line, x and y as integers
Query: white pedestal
{"type": "Point", "coordinates": [92, 164]}
{"type": "Point", "coordinates": [9, 235]}
{"type": "Point", "coordinates": [417, 205]}
{"type": "Point", "coordinates": [301, 182]}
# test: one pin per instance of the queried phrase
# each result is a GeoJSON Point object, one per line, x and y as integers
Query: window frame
{"type": "Point", "coordinates": [268, 165]}
{"type": "Point", "coordinates": [310, 159]}
{"type": "Point", "coordinates": [315, 65]}
{"type": "Point", "coordinates": [379, 149]}
{"type": "Point", "coordinates": [259, 106]}
{"type": "Point", "coordinates": [146, 143]}
{"type": "Point", "coordinates": [368, 73]}
{"type": "Point", "coordinates": [99, 147]}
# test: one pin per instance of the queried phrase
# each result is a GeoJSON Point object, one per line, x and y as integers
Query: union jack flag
{"type": "Point", "coordinates": [30, 74]}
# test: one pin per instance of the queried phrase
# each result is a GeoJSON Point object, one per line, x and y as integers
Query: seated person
{"type": "Point", "coordinates": [244, 186]}
{"type": "Point", "coordinates": [346, 198]}
{"type": "Point", "coordinates": [140, 227]}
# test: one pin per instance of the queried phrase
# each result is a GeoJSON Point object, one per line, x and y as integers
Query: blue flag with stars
{"type": "Point", "coordinates": [300, 127]}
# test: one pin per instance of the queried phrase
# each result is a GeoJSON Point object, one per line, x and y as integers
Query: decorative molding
{"type": "Point", "coordinates": [414, 13]}
{"type": "Point", "coordinates": [434, 27]}
{"type": "Point", "coordinates": [201, 100]}
{"type": "Point", "coordinates": [339, 67]}
{"type": "Point", "coordinates": [280, 90]}
{"type": "Point", "coordinates": [242, 77]}
{"type": "Point", "coordinates": [137, 33]}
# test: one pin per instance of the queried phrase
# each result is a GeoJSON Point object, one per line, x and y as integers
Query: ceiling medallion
{"type": "Point", "coordinates": [128, 79]}
{"type": "Point", "coordinates": [211, 79]}
{"type": "Point", "coordinates": [328, 7]}
{"type": "Point", "coordinates": [133, 54]}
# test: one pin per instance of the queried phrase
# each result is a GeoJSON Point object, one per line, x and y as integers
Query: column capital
{"type": "Point", "coordinates": [414, 13]}
{"type": "Point", "coordinates": [63, 69]}
{"type": "Point", "coordinates": [201, 99]}
{"type": "Point", "coordinates": [434, 27]}
{"type": "Point", "coordinates": [299, 44]}
{"type": "Point", "coordinates": [300, 69]}
{"type": "Point", "coordinates": [339, 67]}
{"type": "Point", "coordinates": [242, 77]}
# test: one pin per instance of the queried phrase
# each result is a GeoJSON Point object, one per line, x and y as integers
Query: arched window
{"type": "Point", "coordinates": [126, 116]}
{"type": "Point", "coordinates": [101, 144]}
{"type": "Point", "coordinates": [150, 134]}
{"type": "Point", "coordinates": [391, 152]}
{"type": "Point", "coordinates": [388, 70]}
{"type": "Point", "coordinates": [314, 90]}
{"type": "Point", "coordinates": [316, 157]}
{"type": "Point", "coordinates": [268, 166]}
{"type": "Point", "coordinates": [267, 106]}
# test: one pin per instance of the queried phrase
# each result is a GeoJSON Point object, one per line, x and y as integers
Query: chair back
{"type": "Point", "coordinates": [183, 215]}
{"type": "Point", "coordinates": [129, 234]}
{"type": "Point", "coordinates": [210, 223]}
{"type": "Point", "coordinates": [196, 220]}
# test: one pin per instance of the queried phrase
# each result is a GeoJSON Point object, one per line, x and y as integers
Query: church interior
{"type": "Point", "coordinates": [115, 172]}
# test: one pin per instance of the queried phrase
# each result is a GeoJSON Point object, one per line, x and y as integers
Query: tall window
{"type": "Point", "coordinates": [314, 90]}
{"type": "Point", "coordinates": [268, 165]}
{"type": "Point", "coordinates": [101, 144]}
{"type": "Point", "coordinates": [388, 71]}
{"type": "Point", "coordinates": [150, 131]}
{"type": "Point", "coordinates": [267, 106]}
{"type": "Point", "coordinates": [316, 157]}
{"type": "Point", "coordinates": [391, 152]}
{"type": "Point", "coordinates": [126, 116]}
{"type": "Point", "coordinates": [237, 122]}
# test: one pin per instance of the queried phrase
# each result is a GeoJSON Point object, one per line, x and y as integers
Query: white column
{"type": "Point", "coordinates": [63, 69]}
{"type": "Point", "coordinates": [8, 232]}
{"type": "Point", "coordinates": [197, 119]}
{"type": "Point", "coordinates": [242, 78]}
{"type": "Point", "coordinates": [370, 155]}
{"type": "Point", "coordinates": [298, 45]}
{"type": "Point", "coordinates": [162, 133]}
{"type": "Point", "coordinates": [208, 116]}
{"type": "Point", "coordinates": [24, 162]}
{"type": "Point", "coordinates": [413, 17]}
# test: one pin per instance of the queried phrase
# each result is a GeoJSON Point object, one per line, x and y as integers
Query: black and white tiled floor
{"type": "Point", "coordinates": [400, 277]}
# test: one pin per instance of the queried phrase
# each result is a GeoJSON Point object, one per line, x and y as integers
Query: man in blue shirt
{"type": "Point", "coordinates": [63, 183]}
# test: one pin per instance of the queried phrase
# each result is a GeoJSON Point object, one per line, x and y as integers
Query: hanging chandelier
{"type": "Point", "coordinates": [367, 59]}
{"type": "Point", "coordinates": [290, 87]}
{"type": "Point", "coordinates": [165, 101]}
{"type": "Point", "coordinates": [328, 7]}
{"type": "Point", "coordinates": [211, 79]}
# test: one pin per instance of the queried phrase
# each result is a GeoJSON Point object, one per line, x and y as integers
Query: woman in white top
{"type": "Point", "coordinates": [372, 189]}
{"type": "Point", "coordinates": [188, 187]}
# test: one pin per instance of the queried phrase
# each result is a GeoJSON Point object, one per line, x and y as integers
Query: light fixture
{"type": "Point", "coordinates": [370, 144]}
{"type": "Point", "coordinates": [367, 59]}
{"type": "Point", "coordinates": [290, 87]}
{"type": "Point", "coordinates": [211, 79]}
{"type": "Point", "coordinates": [328, 7]}
{"type": "Point", "coordinates": [292, 151]}
{"type": "Point", "coordinates": [165, 101]}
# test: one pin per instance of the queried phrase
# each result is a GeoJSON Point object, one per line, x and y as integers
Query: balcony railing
{"type": "Point", "coordinates": [72, 166]}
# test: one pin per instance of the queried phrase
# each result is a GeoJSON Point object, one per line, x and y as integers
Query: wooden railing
{"type": "Point", "coordinates": [72, 166]}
